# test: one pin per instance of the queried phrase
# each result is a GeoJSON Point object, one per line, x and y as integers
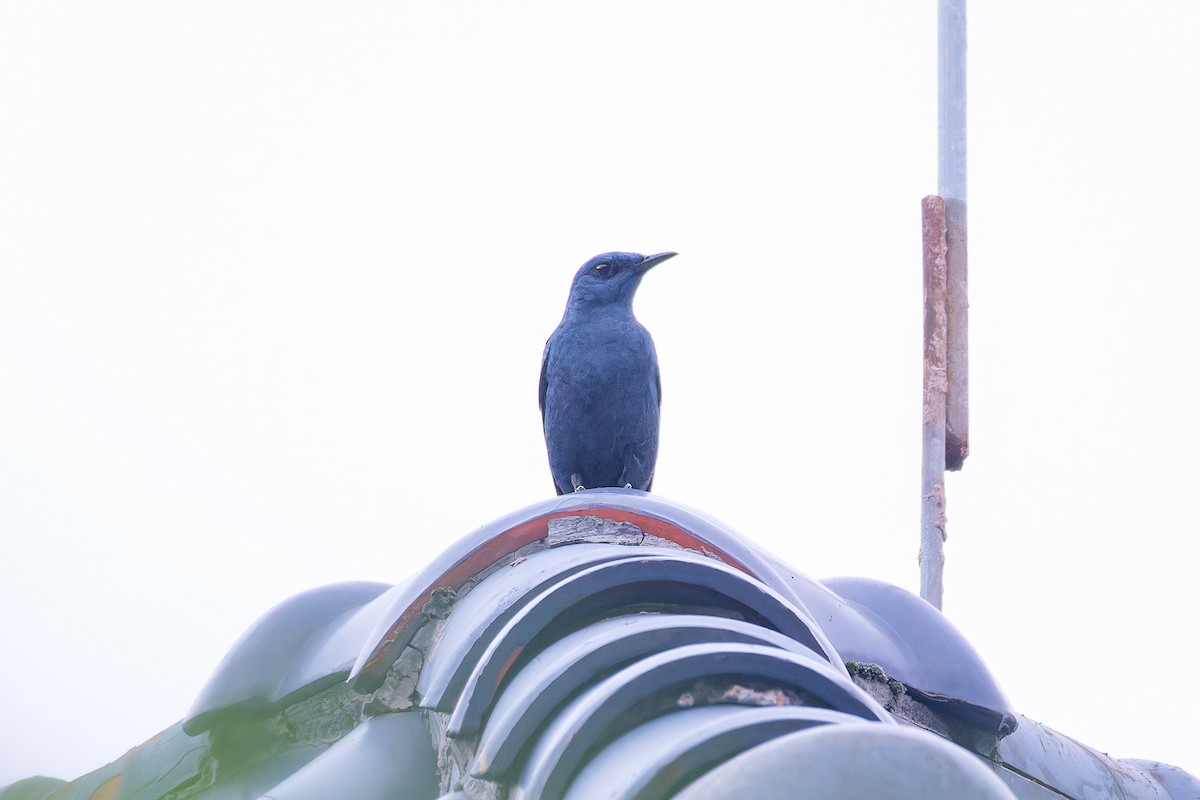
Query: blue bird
{"type": "Point", "coordinates": [600, 390]}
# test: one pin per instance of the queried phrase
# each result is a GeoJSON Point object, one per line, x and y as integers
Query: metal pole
{"type": "Point", "coordinates": [952, 99]}
{"type": "Point", "coordinates": [933, 405]}
{"type": "Point", "coordinates": [952, 186]}
{"type": "Point", "coordinates": [944, 442]}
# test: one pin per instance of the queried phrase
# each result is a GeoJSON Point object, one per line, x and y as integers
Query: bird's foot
{"type": "Point", "coordinates": [577, 481]}
{"type": "Point", "coordinates": [629, 486]}
{"type": "Point", "coordinates": [579, 488]}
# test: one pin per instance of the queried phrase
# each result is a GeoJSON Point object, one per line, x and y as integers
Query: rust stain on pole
{"type": "Point", "coordinates": [933, 229]}
{"type": "Point", "coordinates": [957, 440]}
{"type": "Point", "coordinates": [933, 408]}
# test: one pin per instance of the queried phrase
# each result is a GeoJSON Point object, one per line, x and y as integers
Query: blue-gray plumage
{"type": "Point", "coordinates": [600, 391]}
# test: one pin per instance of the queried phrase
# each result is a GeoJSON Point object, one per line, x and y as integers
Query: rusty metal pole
{"type": "Point", "coordinates": [933, 406]}
{"type": "Point", "coordinates": [944, 443]}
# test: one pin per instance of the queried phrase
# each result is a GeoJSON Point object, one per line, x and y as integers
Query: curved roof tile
{"type": "Point", "coordinates": [300, 641]}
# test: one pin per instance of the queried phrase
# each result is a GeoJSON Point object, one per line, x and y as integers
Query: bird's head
{"type": "Point", "coordinates": [611, 279]}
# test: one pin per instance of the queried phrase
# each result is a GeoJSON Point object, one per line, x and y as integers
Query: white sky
{"type": "Point", "coordinates": [275, 280]}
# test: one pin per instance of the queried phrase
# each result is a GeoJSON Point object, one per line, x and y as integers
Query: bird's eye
{"type": "Point", "coordinates": [605, 270]}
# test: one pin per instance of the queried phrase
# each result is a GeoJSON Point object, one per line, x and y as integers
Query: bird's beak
{"type": "Point", "coordinates": [650, 261]}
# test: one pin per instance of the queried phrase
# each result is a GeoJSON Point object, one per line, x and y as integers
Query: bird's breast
{"type": "Point", "coordinates": [602, 359]}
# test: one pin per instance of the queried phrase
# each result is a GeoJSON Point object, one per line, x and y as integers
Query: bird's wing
{"type": "Point", "coordinates": [543, 382]}
{"type": "Point", "coordinates": [542, 398]}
